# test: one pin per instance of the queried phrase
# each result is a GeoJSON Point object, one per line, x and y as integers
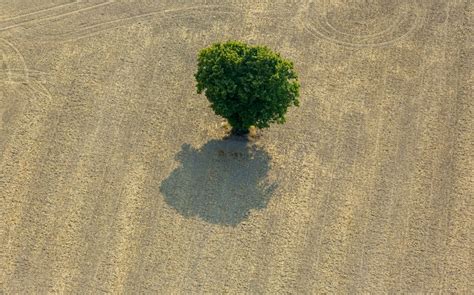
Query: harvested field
{"type": "Point", "coordinates": [115, 177]}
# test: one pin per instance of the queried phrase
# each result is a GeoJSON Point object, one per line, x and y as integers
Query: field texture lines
{"type": "Point", "coordinates": [116, 177]}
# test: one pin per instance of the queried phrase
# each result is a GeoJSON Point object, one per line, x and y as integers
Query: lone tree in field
{"type": "Point", "coordinates": [247, 85]}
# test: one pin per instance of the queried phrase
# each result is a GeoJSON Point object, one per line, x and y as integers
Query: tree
{"type": "Point", "coordinates": [247, 85]}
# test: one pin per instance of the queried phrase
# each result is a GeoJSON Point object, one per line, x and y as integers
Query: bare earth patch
{"type": "Point", "coordinates": [115, 176]}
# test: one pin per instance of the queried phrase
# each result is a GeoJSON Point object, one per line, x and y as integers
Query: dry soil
{"type": "Point", "coordinates": [115, 177]}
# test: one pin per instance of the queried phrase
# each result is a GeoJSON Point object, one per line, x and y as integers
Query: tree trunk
{"type": "Point", "coordinates": [239, 132]}
{"type": "Point", "coordinates": [236, 123]}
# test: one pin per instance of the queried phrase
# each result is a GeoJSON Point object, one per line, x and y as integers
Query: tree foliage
{"type": "Point", "coordinates": [247, 85]}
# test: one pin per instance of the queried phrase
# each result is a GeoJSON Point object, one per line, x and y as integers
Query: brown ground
{"type": "Point", "coordinates": [114, 176]}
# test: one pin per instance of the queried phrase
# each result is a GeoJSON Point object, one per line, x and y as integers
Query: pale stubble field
{"type": "Point", "coordinates": [115, 177]}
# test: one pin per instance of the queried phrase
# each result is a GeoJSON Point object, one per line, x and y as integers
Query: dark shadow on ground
{"type": "Point", "coordinates": [220, 182]}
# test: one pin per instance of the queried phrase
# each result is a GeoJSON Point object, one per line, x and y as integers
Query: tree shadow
{"type": "Point", "coordinates": [220, 182]}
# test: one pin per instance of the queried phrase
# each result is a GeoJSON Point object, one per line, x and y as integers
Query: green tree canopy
{"type": "Point", "coordinates": [247, 85]}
